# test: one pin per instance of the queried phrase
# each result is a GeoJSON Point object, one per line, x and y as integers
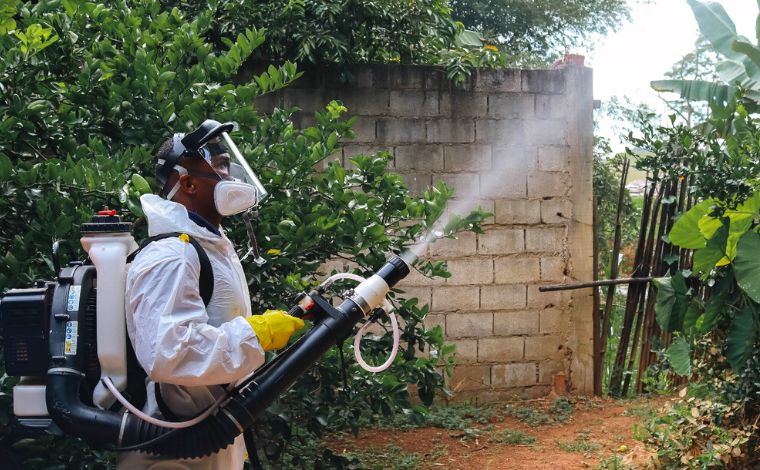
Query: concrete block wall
{"type": "Point", "coordinates": [518, 144]}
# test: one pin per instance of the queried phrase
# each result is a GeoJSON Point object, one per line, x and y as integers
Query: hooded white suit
{"type": "Point", "coordinates": [189, 348]}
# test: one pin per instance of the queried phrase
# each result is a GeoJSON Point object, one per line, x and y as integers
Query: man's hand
{"type": "Point", "coordinates": [274, 328]}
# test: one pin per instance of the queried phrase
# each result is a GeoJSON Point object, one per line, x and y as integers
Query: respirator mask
{"type": "Point", "coordinates": [238, 190]}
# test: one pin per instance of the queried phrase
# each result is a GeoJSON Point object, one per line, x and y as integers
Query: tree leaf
{"type": "Point", "coordinates": [695, 90]}
{"type": "Point", "coordinates": [685, 232]}
{"type": "Point", "coordinates": [747, 265]}
{"type": "Point", "coordinates": [679, 356]}
{"type": "Point", "coordinates": [741, 339]}
{"type": "Point", "coordinates": [671, 302]}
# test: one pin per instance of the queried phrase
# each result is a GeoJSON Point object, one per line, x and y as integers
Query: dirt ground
{"type": "Point", "coordinates": [598, 431]}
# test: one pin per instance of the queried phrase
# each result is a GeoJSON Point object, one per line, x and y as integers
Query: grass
{"type": "Point", "coordinates": [613, 463]}
{"type": "Point", "coordinates": [389, 456]}
{"type": "Point", "coordinates": [527, 415]}
{"type": "Point", "coordinates": [581, 444]}
{"type": "Point", "coordinates": [511, 437]}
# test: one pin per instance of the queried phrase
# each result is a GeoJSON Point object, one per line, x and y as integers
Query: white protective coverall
{"type": "Point", "coordinates": [183, 345]}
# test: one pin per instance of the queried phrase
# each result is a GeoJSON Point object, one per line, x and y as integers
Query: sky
{"type": "Point", "coordinates": [659, 34]}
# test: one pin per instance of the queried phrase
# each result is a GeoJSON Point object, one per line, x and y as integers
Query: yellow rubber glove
{"type": "Point", "coordinates": [274, 328]}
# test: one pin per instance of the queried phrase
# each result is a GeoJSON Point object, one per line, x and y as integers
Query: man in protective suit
{"type": "Point", "coordinates": [191, 350]}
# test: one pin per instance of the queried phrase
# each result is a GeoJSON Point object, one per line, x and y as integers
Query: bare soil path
{"type": "Point", "coordinates": [597, 433]}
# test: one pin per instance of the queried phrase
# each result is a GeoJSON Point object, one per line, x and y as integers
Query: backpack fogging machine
{"type": "Point", "coordinates": [66, 340]}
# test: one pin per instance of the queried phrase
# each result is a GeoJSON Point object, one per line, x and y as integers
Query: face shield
{"type": "Point", "coordinates": [228, 163]}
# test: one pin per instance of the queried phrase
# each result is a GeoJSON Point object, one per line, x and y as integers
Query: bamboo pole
{"type": "Point", "coordinates": [598, 360]}
{"type": "Point", "coordinates": [613, 262]}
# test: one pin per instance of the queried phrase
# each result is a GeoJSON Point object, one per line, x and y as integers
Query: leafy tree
{"type": "Point", "coordinates": [353, 32]}
{"type": "Point", "coordinates": [700, 64]}
{"type": "Point", "coordinates": [88, 91]}
{"type": "Point", "coordinates": [542, 29]}
{"type": "Point", "coordinates": [739, 70]}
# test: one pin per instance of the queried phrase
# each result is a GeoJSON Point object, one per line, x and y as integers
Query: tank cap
{"type": "Point", "coordinates": [106, 221]}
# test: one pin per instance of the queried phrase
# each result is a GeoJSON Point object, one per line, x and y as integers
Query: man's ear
{"type": "Point", "coordinates": [187, 184]}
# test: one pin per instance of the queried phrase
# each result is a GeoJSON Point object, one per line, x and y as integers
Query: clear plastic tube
{"type": "Point", "coordinates": [360, 334]}
{"type": "Point", "coordinates": [159, 422]}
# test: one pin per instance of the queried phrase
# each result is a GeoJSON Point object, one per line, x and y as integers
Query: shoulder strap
{"type": "Point", "coordinates": [206, 281]}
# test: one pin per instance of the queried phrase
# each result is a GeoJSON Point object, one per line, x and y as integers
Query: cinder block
{"type": "Point", "coordinates": [544, 239]}
{"type": "Point", "coordinates": [501, 395]}
{"type": "Point", "coordinates": [364, 77]}
{"type": "Point", "coordinates": [447, 130]}
{"type": "Point", "coordinates": [507, 349]}
{"type": "Point", "coordinates": [417, 279]}
{"type": "Point", "coordinates": [467, 351]}
{"type": "Point", "coordinates": [516, 270]}
{"type": "Point", "coordinates": [552, 107]}
{"type": "Point", "coordinates": [498, 185]}
{"type": "Point", "coordinates": [464, 245]}
{"type": "Point", "coordinates": [504, 80]}
{"type": "Point", "coordinates": [543, 81]}
{"type": "Point", "coordinates": [517, 211]}
{"type": "Point", "coordinates": [502, 297]}
{"type": "Point", "coordinates": [552, 321]}
{"type": "Point", "coordinates": [364, 129]}
{"type": "Point", "coordinates": [538, 299]}
{"type": "Point", "coordinates": [465, 185]}
{"type": "Point", "coordinates": [406, 76]}
{"type": "Point", "coordinates": [547, 131]}
{"type": "Point", "coordinates": [547, 369]}
{"type": "Point", "coordinates": [352, 150]}
{"type": "Point", "coordinates": [307, 100]}
{"type": "Point", "coordinates": [464, 205]}
{"type": "Point", "coordinates": [511, 105]}
{"type": "Point", "coordinates": [512, 161]}
{"type": "Point", "coordinates": [435, 319]}
{"type": "Point", "coordinates": [470, 271]}
{"type": "Point", "coordinates": [336, 156]}
{"type": "Point", "coordinates": [417, 183]}
{"type": "Point", "coordinates": [452, 298]}
{"type": "Point", "coordinates": [362, 102]}
{"type": "Point", "coordinates": [265, 104]}
{"type": "Point", "coordinates": [419, 157]}
{"type": "Point", "coordinates": [413, 103]}
{"type": "Point", "coordinates": [501, 241]}
{"type": "Point", "coordinates": [556, 211]}
{"type": "Point", "coordinates": [552, 269]}
{"type": "Point", "coordinates": [553, 157]}
{"type": "Point", "coordinates": [501, 132]}
{"type": "Point", "coordinates": [543, 184]}
{"type": "Point", "coordinates": [422, 294]}
{"type": "Point", "coordinates": [469, 324]}
{"type": "Point", "coordinates": [469, 157]}
{"type": "Point", "coordinates": [540, 348]}
{"type": "Point", "coordinates": [465, 378]}
{"type": "Point", "coordinates": [400, 131]}
{"type": "Point", "coordinates": [463, 104]}
{"type": "Point", "coordinates": [435, 79]}
{"type": "Point", "coordinates": [524, 322]}
{"type": "Point", "coordinates": [514, 375]}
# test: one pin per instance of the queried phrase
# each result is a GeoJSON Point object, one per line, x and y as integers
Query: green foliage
{"type": "Point", "coordinates": [581, 444]}
{"type": "Point", "coordinates": [389, 456]}
{"type": "Point", "coordinates": [697, 433]}
{"type": "Point", "coordinates": [528, 415]}
{"type": "Point", "coordinates": [739, 69]}
{"type": "Point", "coordinates": [87, 93]}
{"type": "Point", "coordinates": [369, 31]}
{"type": "Point", "coordinates": [540, 29]}
{"type": "Point", "coordinates": [511, 437]}
{"type": "Point", "coordinates": [712, 309]}
{"type": "Point", "coordinates": [562, 409]}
